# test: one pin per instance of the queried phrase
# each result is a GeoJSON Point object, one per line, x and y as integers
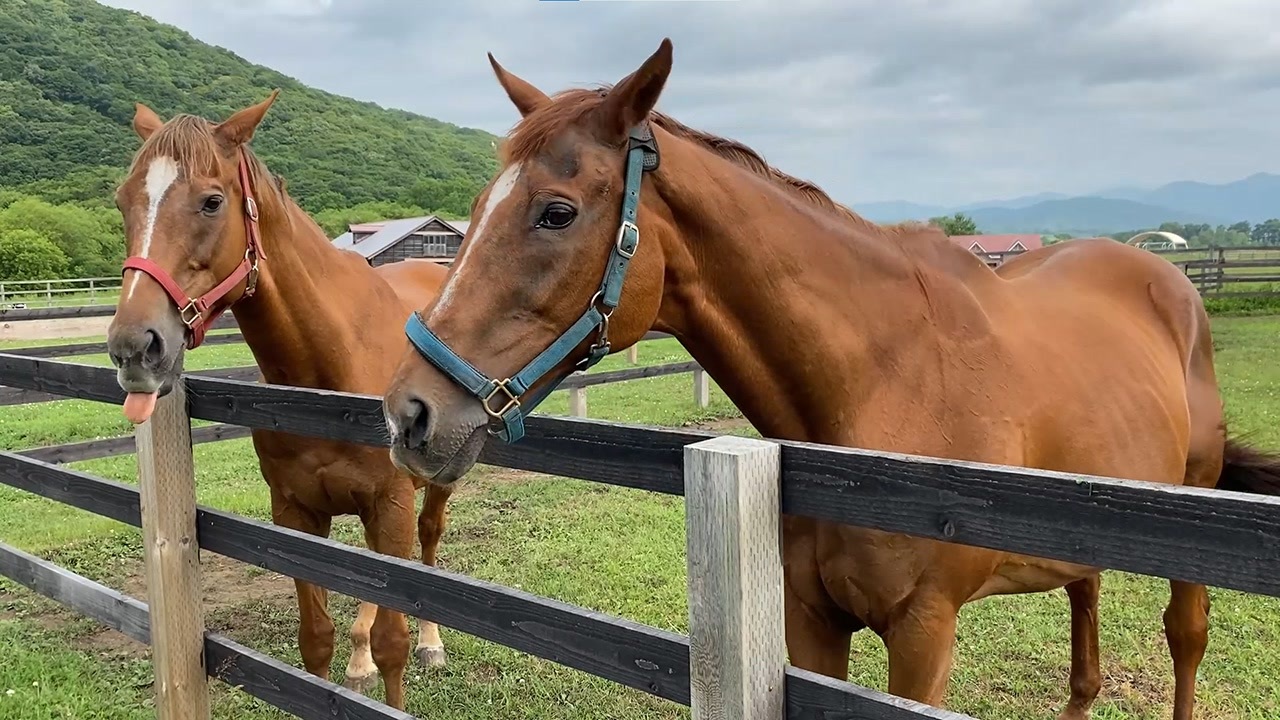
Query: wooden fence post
{"type": "Point", "coordinates": [737, 650]}
{"type": "Point", "coordinates": [166, 478]}
{"type": "Point", "coordinates": [578, 402]}
{"type": "Point", "coordinates": [633, 354]}
{"type": "Point", "coordinates": [701, 388]}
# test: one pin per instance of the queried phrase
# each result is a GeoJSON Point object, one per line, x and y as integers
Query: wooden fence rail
{"type": "Point", "coordinates": [20, 396]}
{"type": "Point", "coordinates": [1216, 272]}
{"type": "Point", "coordinates": [735, 489]}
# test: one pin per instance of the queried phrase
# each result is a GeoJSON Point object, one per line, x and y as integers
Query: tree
{"type": "Point", "coordinates": [1267, 233]}
{"type": "Point", "coordinates": [958, 224]}
{"type": "Point", "coordinates": [336, 220]}
{"type": "Point", "coordinates": [90, 239]}
{"type": "Point", "coordinates": [28, 255]}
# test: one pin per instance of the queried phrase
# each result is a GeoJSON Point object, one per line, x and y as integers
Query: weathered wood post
{"type": "Point", "coordinates": [633, 354]}
{"type": "Point", "coordinates": [737, 651]}
{"type": "Point", "coordinates": [701, 388]}
{"type": "Point", "coordinates": [578, 402]}
{"type": "Point", "coordinates": [166, 476]}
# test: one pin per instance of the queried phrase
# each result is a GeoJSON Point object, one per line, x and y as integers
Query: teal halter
{"type": "Point", "coordinates": [642, 155]}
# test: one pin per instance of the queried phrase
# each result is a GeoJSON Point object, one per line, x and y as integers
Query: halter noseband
{"type": "Point", "coordinates": [192, 310]}
{"type": "Point", "coordinates": [642, 156]}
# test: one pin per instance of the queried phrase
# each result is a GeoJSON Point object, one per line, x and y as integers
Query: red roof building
{"type": "Point", "coordinates": [998, 243]}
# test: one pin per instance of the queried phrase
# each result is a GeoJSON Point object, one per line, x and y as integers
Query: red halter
{"type": "Point", "coordinates": [192, 310]}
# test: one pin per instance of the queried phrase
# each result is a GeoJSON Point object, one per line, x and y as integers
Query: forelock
{"type": "Point", "coordinates": [189, 140]}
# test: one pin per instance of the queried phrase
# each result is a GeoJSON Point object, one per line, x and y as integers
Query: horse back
{"type": "Point", "coordinates": [417, 282]}
{"type": "Point", "coordinates": [1125, 333]}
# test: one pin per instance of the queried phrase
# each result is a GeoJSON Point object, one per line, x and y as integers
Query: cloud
{"type": "Point", "coordinates": [938, 101]}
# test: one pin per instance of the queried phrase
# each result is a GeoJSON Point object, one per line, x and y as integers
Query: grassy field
{"type": "Point", "coordinates": [611, 549]}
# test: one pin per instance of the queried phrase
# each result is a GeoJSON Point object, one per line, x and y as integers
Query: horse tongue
{"type": "Point", "coordinates": [139, 406]}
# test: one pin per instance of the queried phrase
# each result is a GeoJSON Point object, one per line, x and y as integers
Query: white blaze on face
{"type": "Point", "coordinates": [161, 174]}
{"type": "Point", "coordinates": [502, 188]}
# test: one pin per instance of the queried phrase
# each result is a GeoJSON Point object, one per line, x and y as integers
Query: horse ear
{"type": "Point", "coordinates": [145, 121]}
{"type": "Point", "coordinates": [238, 129]}
{"type": "Point", "coordinates": [525, 96]}
{"type": "Point", "coordinates": [634, 96]}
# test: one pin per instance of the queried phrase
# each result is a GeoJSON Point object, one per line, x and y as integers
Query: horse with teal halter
{"type": "Point", "coordinates": [642, 156]}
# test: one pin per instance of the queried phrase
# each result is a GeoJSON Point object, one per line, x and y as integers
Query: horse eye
{"type": "Point", "coordinates": [211, 204]}
{"type": "Point", "coordinates": [557, 216]}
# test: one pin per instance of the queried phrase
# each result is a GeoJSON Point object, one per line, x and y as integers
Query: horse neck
{"type": "Point", "coordinates": [799, 312]}
{"type": "Point", "coordinates": [312, 301]}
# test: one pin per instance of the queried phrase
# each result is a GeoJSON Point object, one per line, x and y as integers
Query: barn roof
{"type": "Point", "coordinates": [998, 243]}
{"type": "Point", "coordinates": [388, 233]}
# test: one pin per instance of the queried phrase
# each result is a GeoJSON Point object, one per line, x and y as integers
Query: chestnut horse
{"type": "Point", "coordinates": [313, 315]}
{"type": "Point", "coordinates": [1089, 357]}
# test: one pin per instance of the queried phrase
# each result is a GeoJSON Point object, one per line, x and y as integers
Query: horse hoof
{"type": "Point", "coordinates": [429, 657]}
{"type": "Point", "coordinates": [361, 683]}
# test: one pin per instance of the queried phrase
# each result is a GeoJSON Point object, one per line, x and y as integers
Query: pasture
{"type": "Point", "coordinates": [607, 548]}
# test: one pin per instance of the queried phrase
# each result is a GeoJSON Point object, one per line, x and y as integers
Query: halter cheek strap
{"type": "Point", "coordinates": [195, 311]}
{"type": "Point", "coordinates": [514, 405]}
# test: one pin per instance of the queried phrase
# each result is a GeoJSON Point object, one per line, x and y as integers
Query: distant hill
{"type": "Point", "coordinates": [1080, 216]}
{"type": "Point", "coordinates": [71, 70]}
{"type": "Point", "coordinates": [895, 210]}
{"type": "Point", "coordinates": [1015, 203]}
{"type": "Point", "coordinates": [1254, 199]}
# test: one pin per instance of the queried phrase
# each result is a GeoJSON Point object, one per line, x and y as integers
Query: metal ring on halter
{"type": "Point", "coordinates": [512, 400]}
{"type": "Point", "coordinates": [196, 315]}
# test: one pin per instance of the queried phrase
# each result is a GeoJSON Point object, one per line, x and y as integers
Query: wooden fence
{"type": "Point", "coordinates": [732, 664]}
{"type": "Point", "coordinates": [1216, 272]}
{"type": "Point", "coordinates": [21, 294]}
{"type": "Point", "coordinates": [575, 384]}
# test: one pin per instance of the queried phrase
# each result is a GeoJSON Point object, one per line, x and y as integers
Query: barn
{"type": "Point", "coordinates": [994, 248]}
{"type": "Point", "coordinates": [428, 237]}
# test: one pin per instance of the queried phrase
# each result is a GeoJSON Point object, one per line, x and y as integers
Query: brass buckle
{"type": "Point", "coordinates": [195, 315]}
{"type": "Point", "coordinates": [622, 233]}
{"type": "Point", "coordinates": [251, 278]}
{"type": "Point", "coordinates": [512, 400]}
{"type": "Point", "coordinates": [602, 330]}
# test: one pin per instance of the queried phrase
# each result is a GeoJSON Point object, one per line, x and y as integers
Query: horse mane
{"type": "Point", "coordinates": [535, 130]}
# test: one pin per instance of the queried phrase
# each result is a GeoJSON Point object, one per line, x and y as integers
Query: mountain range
{"type": "Point", "coordinates": [1254, 199]}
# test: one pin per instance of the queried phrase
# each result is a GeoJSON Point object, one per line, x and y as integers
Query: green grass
{"type": "Point", "coordinates": [611, 549]}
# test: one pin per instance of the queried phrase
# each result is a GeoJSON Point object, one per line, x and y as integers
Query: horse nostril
{"type": "Point", "coordinates": [416, 420]}
{"type": "Point", "coordinates": [153, 349]}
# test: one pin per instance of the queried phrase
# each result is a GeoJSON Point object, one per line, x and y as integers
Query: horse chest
{"type": "Point", "coordinates": [868, 573]}
{"type": "Point", "coordinates": [311, 476]}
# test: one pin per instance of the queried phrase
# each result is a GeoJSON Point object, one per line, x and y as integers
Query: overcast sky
{"type": "Point", "coordinates": [935, 101]}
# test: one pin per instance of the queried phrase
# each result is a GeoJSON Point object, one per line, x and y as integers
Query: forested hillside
{"type": "Point", "coordinates": [70, 73]}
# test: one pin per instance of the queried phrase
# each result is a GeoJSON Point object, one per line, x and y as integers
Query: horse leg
{"type": "Point", "coordinates": [431, 524]}
{"type": "Point", "coordinates": [1186, 626]}
{"type": "Point", "coordinates": [362, 673]}
{"type": "Point", "coordinates": [389, 530]}
{"type": "Point", "coordinates": [921, 643]}
{"type": "Point", "coordinates": [315, 626]}
{"type": "Point", "coordinates": [1086, 677]}
{"type": "Point", "coordinates": [817, 638]}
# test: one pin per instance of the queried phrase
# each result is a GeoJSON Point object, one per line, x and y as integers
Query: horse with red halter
{"type": "Point", "coordinates": [210, 229]}
{"type": "Point", "coordinates": [1086, 357]}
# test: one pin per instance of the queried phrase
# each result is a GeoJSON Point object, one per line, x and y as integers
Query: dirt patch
{"type": "Point", "coordinates": [55, 619]}
{"type": "Point", "coordinates": [109, 644]}
{"type": "Point", "coordinates": [721, 425]}
{"type": "Point", "coordinates": [1147, 688]}
{"type": "Point", "coordinates": [227, 584]}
